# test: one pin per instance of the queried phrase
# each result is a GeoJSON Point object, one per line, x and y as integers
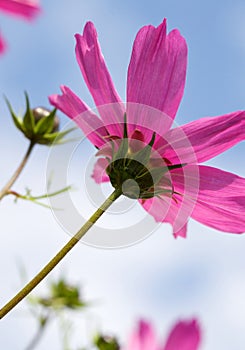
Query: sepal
{"type": "Point", "coordinates": [62, 295]}
{"type": "Point", "coordinates": [106, 343]}
{"type": "Point", "coordinates": [39, 125]}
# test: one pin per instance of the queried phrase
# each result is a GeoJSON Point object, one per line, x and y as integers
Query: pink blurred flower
{"type": "Point", "coordinates": [185, 335]}
{"type": "Point", "coordinates": [156, 80]}
{"type": "Point", "coordinates": [27, 9]}
{"type": "Point", "coordinates": [2, 45]}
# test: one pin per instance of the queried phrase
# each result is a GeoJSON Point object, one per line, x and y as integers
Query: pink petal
{"type": "Point", "coordinates": [203, 139]}
{"type": "Point", "coordinates": [176, 208]}
{"type": "Point", "coordinates": [184, 336]}
{"type": "Point", "coordinates": [147, 120]}
{"type": "Point", "coordinates": [99, 174]}
{"type": "Point", "coordinates": [78, 111]}
{"type": "Point", "coordinates": [221, 200]}
{"type": "Point", "coordinates": [3, 45]}
{"type": "Point", "coordinates": [216, 198]}
{"type": "Point", "coordinates": [143, 338]}
{"type": "Point", "coordinates": [98, 80]}
{"type": "Point", "coordinates": [157, 69]}
{"type": "Point", "coordinates": [23, 8]}
{"type": "Point", "coordinates": [182, 232]}
{"type": "Point", "coordinates": [165, 209]}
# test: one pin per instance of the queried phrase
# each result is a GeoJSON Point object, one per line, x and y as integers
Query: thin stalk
{"type": "Point", "coordinates": [61, 254]}
{"type": "Point", "coordinates": [4, 191]}
{"type": "Point", "coordinates": [37, 336]}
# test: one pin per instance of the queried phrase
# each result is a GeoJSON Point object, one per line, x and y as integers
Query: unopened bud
{"type": "Point", "coordinates": [40, 112]}
{"type": "Point", "coordinates": [39, 125]}
{"type": "Point", "coordinates": [106, 342]}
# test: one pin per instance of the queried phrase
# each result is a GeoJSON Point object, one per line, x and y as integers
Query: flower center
{"type": "Point", "coordinates": [136, 169]}
{"type": "Point", "coordinates": [132, 177]}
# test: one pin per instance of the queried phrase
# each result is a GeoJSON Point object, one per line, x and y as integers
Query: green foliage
{"type": "Point", "coordinates": [62, 296]}
{"type": "Point", "coordinates": [37, 199]}
{"type": "Point", "coordinates": [106, 343]}
{"type": "Point", "coordinates": [39, 125]}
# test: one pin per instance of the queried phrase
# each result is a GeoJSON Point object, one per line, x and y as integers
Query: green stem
{"type": "Point", "coordinates": [58, 257]}
{"type": "Point", "coordinates": [4, 191]}
{"type": "Point", "coordinates": [40, 332]}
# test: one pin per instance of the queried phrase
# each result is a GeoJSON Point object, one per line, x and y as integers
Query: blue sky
{"type": "Point", "coordinates": [160, 279]}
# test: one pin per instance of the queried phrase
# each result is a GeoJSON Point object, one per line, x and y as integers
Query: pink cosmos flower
{"type": "Point", "coordinates": [155, 84]}
{"type": "Point", "coordinates": [27, 9]}
{"type": "Point", "coordinates": [2, 45]}
{"type": "Point", "coordinates": [185, 335]}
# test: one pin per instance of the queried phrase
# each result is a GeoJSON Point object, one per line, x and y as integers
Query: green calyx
{"type": "Point", "coordinates": [62, 295]}
{"type": "Point", "coordinates": [106, 343]}
{"type": "Point", "coordinates": [131, 176]}
{"type": "Point", "coordinates": [134, 173]}
{"type": "Point", "coordinates": [39, 125]}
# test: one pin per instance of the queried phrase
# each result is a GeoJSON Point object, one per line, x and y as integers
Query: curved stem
{"type": "Point", "coordinates": [58, 257]}
{"type": "Point", "coordinates": [17, 172]}
{"type": "Point", "coordinates": [37, 336]}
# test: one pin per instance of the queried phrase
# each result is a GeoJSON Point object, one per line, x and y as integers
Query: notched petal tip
{"type": "Point", "coordinates": [184, 335]}
{"type": "Point", "coordinates": [97, 78]}
{"type": "Point", "coordinates": [90, 28]}
{"type": "Point", "coordinates": [157, 69]}
{"type": "Point", "coordinates": [182, 232]}
{"type": "Point", "coordinates": [88, 31]}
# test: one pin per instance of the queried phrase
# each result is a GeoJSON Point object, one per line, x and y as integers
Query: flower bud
{"type": "Point", "coordinates": [39, 125]}
{"type": "Point", "coordinates": [103, 342]}
{"type": "Point", "coordinates": [62, 296]}
{"type": "Point", "coordinates": [41, 112]}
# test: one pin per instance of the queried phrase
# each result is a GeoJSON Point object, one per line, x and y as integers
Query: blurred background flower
{"type": "Point", "coordinates": [26, 9]}
{"type": "Point", "coordinates": [185, 335]}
